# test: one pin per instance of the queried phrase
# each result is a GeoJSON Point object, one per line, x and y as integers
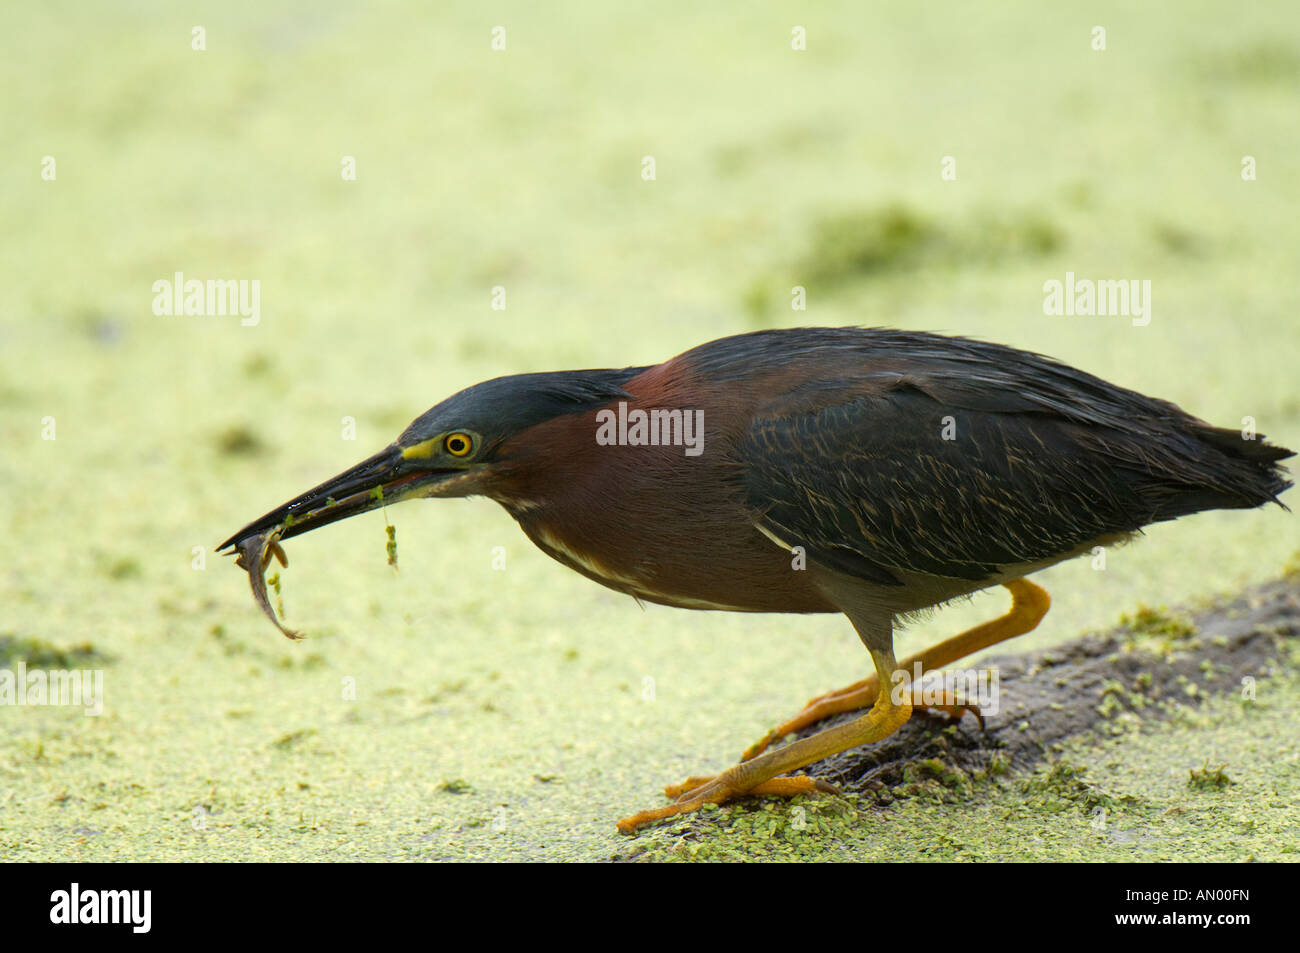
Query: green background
{"type": "Point", "coordinates": [502, 714]}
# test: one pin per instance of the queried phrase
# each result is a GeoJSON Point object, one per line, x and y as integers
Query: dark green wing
{"type": "Point", "coordinates": [869, 484]}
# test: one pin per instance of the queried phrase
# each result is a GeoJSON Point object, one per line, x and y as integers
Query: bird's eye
{"type": "Point", "coordinates": [458, 444]}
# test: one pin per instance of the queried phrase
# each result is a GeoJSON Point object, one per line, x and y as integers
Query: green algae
{"type": "Point", "coordinates": [1206, 778]}
{"type": "Point", "coordinates": [40, 653]}
{"type": "Point", "coordinates": [183, 765]}
{"type": "Point", "coordinates": [238, 440]}
{"type": "Point", "coordinates": [1158, 624]}
{"type": "Point", "coordinates": [273, 581]}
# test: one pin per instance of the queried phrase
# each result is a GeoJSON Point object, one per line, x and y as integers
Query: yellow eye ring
{"type": "Point", "coordinates": [458, 444]}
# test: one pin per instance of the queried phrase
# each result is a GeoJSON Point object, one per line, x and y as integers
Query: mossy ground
{"type": "Point", "coordinates": [515, 713]}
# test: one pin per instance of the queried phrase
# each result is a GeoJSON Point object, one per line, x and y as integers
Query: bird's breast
{"type": "Point", "coordinates": [732, 568]}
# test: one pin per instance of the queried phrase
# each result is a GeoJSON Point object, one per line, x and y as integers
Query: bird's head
{"type": "Point", "coordinates": [456, 448]}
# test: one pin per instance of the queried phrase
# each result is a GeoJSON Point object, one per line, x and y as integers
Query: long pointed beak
{"type": "Point", "coordinates": [387, 477]}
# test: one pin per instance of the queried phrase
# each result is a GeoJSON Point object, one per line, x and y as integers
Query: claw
{"type": "Point", "coordinates": [954, 713]}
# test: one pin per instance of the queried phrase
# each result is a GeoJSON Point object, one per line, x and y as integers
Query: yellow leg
{"type": "Point", "coordinates": [759, 775]}
{"type": "Point", "coordinates": [775, 787]}
{"type": "Point", "coordinates": [1029, 603]}
{"type": "Point", "coordinates": [790, 786]}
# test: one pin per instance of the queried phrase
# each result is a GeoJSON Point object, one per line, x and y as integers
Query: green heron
{"type": "Point", "coordinates": [871, 472]}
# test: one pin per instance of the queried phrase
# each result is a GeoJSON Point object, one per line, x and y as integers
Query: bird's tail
{"type": "Point", "coordinates": [1228, 470]}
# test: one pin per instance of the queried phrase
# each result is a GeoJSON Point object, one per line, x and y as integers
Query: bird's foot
{"type": "Point", "coordinates": [855, 697]}
{"type": "Point", "coordinates": [769, 773]}
{"type": "Point", "coordinates": [955, 712]}
{"type": "Point", "coordinates": [1029, 603]}
{"type": "Point", "coordinates": [695, 792]}
{"type": "Point", "coordinates": [772, 787]}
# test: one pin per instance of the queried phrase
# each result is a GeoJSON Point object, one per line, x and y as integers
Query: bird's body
{"type": "Point", "coordinates": [928, 467]}
{"type": "Point", "coordinates": [865, 471]}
